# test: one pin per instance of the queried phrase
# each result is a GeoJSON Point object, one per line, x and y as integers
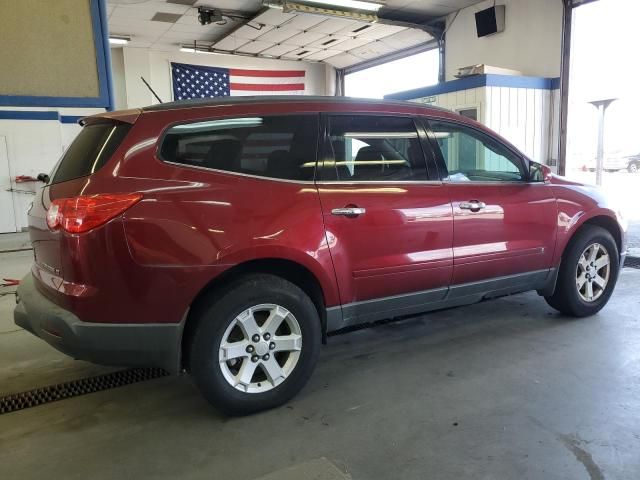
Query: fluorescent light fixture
{"type": "Point", "coordinates": [350, 4]}
{"type": "Point", "coordinates": [119, 40]}
{"type": "Point", "coordinates": [361, 10]}
{"type": "Point", "coordinates": [191, 49]}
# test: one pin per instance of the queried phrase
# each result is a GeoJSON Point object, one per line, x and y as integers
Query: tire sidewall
{"type": "Point", "coordinates": [214, 321]}
{"type": "Point", "coordinates": [570, 262]}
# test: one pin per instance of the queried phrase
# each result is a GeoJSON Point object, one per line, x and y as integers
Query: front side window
{"type": "Point", "coordinates": [373, 148]}
{"type": "Point", "coordinates": [472, 156]}
{"type": "Point", "coordinates": [276, 147]}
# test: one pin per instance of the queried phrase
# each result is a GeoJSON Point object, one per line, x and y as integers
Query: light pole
{"type": "Point", "coordinates": [601, 105]}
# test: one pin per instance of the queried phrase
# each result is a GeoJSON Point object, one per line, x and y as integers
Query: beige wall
{"type": "Point", "coordinates": [531, 41]}
{"type": "Point", "coordinates": [47, 49]}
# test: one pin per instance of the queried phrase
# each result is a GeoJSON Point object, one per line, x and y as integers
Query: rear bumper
{"type": "Point", "coordinates": [132, 345]}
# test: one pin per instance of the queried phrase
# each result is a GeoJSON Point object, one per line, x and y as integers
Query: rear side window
{"type": "Point", "coordinates": [373, 148]}
{"type": "Point", "coordinates": [90, 150]}
{"type": "Point", "coordinates": [275, 147]}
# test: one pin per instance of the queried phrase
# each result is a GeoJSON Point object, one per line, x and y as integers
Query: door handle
{"type": "Point", "coordinates": [473, 205]}
{"type": "Point", "coordinates": [348, 211]}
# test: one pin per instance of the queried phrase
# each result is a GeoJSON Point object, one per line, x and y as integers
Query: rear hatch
{"type": "Point", "coordinates": [87, 154]}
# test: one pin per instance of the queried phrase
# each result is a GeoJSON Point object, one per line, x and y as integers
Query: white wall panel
{"type": "Point", "coordinates": [117, 73]}
{"type": "Point", "coordinates": [29, 157]}
{"type": "Point", "coordinates": [554, 126]}
{"type": "Point", "coordinates": [521, 106]}
{"type": "Point", "coordinates": [136, 65]}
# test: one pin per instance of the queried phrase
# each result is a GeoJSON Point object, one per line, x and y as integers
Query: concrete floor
{"type": "Point", "coordinates": [500, 390]}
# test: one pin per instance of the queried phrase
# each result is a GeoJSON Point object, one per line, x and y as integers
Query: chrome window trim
{"type": "Point", "coordinates": [489, 182]}
{"type": "Point", "coordinates": [238, 174]}
{"type": "Point", "coordinates": [381, 182]}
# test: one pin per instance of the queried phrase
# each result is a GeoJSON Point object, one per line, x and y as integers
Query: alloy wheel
{"type": "Point", "coordinates": [592, 272]}
{"type": "Point", "coordinates": [260, 348]}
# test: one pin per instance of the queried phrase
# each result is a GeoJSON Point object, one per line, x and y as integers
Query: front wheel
{"type": "Point", "coordinates": [633, 167]}
{"type": "Point", "coordinates": [256, 345]}
{"type": "Point", "coordinates": [588, 273]}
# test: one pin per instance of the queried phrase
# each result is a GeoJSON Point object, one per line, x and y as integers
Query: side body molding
{"type": "Point", "coordinates": [429, 300]}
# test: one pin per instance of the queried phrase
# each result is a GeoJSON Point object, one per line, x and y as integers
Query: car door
{"type": "Point", "coordinates": [504, 225]}
{"type": "Point", "coordinates": [388, 224]}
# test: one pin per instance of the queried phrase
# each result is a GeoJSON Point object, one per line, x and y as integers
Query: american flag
{"type": "Point", "coordinates": [198, 81]}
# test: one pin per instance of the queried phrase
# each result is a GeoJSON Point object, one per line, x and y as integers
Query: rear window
{"type": "Point", "coordinates": [274, 146]}
{"type": "Point", "coordinates": [90, 150]}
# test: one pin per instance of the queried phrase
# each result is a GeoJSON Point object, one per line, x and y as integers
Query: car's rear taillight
{"type": "Point", "coordinates": [81, 214]}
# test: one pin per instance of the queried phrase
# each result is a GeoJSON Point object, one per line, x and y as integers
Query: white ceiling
{"type": "Point", "coordinates": [339, 42]}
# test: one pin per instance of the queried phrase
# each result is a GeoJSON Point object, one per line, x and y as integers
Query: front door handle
{"type": "Point", "coordinates": [348, 211]}
{"type": "Point", "coordinates": [473, 205]}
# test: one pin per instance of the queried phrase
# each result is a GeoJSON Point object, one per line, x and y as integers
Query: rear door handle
{"type": "Point", "coordinates": [473, 205]}
{"type": "Point", "coordinates": [348, 211]}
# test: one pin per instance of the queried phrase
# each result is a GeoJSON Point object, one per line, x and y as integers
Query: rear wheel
{"type": "Point", "coordinates": [633, 167]}
{"type": "Point", "coordinates": [255, 345]}
{"type": "Point", "coordinates": [588, 273]}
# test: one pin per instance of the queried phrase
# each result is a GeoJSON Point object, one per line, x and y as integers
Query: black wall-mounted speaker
{"type": "Point", "coordinates": [490, 21]}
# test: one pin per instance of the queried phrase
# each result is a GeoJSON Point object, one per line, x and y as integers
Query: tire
{"type": "Point", "coordinates": [568, 298]}
{"type": "Point", "coordinates": [227, 316]}
{"type": "Point", "coordinates": [633, 167]}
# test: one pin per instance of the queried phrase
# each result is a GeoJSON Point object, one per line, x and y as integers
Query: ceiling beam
{"type": "Point", "coordinates": [390, 57]}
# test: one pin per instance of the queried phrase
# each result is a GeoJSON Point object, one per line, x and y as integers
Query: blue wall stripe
{"type": "Point", "coordinates": [103, 64]}
{"type": "Point", "coordinates": [26, 115]}
{"type": "Point", "coordinates": [512, 81]}
{"type": "Point", "coordinates": [38, 115]}
{"type": "Point", "coordinates": [476, 81]}
{"type": "Point", "coordinates": [28, 101]}
{"type": "Point", "coordinates": [70, 118]}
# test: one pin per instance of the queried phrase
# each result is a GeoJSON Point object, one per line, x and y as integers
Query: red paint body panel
{"type": "Point", "coordinates": [401, 245]}
{"type": "Point", "coordinates": [148, 264]}
{"type": "Point", "coordinates": [577, 204]}
{"type": "Point", "coordinates": [515, 233]}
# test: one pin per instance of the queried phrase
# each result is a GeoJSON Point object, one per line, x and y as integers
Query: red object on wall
{"type": "Point", "coordinates": [25, 178]}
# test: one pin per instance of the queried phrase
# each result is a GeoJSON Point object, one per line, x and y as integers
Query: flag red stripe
{"type": "Point", "coordinates": [264, 87]}
{"type": "Point", "coordinates": [266, 73]}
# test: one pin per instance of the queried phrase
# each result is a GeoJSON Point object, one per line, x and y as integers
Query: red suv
{"type": "Point", "coordinates": [228, 237]}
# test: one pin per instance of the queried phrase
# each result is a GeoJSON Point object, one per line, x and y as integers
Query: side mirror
{"type": "Point", "coordinates": [539, 172]}
{"type": "Point", "coordinates": [43, 177]}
